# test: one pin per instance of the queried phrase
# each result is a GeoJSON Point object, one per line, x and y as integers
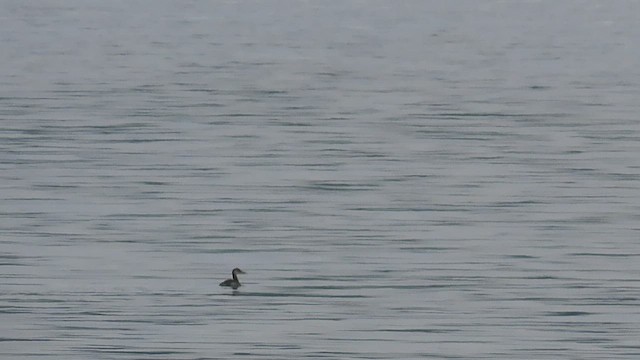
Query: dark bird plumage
{"type": "Point", "coordinates": [233, 283]}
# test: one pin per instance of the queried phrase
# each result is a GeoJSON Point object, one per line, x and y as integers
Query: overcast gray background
{"type": "Point", "coordinates": [399, 179]}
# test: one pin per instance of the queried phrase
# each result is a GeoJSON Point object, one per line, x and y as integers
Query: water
{"type": "Point", "coordinates": [399, 180]}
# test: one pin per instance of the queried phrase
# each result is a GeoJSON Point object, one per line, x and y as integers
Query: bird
{"type": "Point", "coordinates": [233, 283]}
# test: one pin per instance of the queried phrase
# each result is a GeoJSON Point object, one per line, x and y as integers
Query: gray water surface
{"type": "Point", "coordinates": [399, 180]}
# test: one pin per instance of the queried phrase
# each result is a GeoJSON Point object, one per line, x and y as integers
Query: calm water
{"type": "Point", "coordinates": [400, 180]}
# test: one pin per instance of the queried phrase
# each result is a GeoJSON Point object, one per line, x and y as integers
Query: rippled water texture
{"type": "Point", "coordinates": [399, 180]}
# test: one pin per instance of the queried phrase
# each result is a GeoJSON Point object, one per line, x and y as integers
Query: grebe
{"type": "Point", "coordinates": [233, 283]}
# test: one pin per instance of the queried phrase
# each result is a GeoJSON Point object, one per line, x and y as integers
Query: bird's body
{"type": "Point", "coordinates": [233, 283]}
